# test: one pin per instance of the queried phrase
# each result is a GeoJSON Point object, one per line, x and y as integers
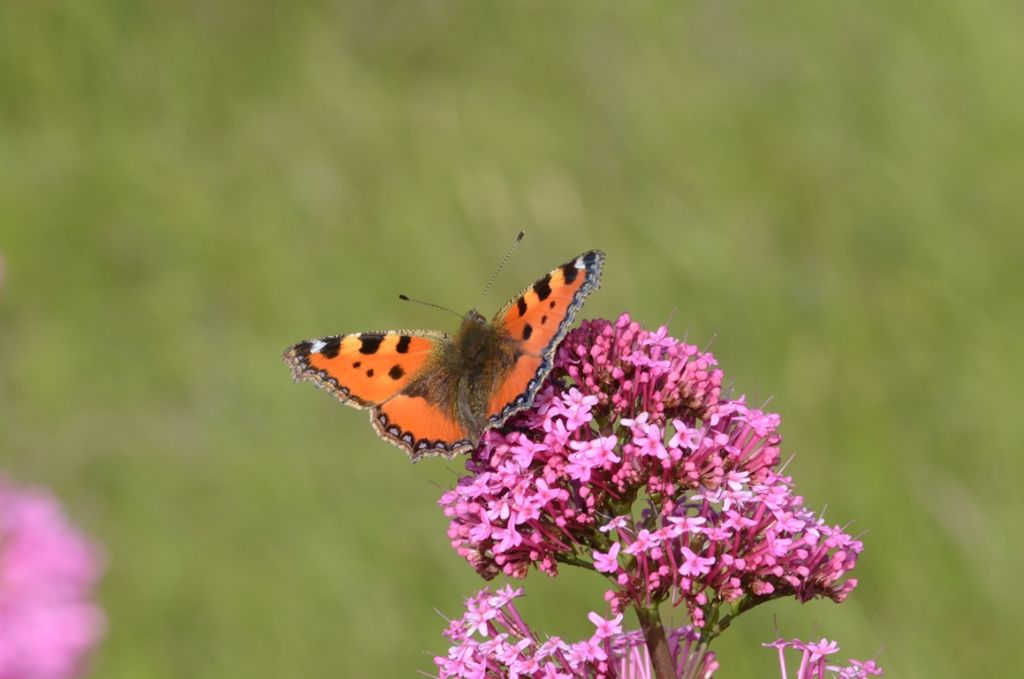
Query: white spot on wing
{"type": "Point", "coordinates": [579, 263]}
{"type": "Point", "coordinates": [317, 346]}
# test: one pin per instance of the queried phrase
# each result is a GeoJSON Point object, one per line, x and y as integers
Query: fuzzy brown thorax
{"type": "Point", "coordinates": [479, 355]}
{"type": "Point", "coordinates": [472, 343]}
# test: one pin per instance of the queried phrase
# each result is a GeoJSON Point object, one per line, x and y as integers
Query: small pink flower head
{"type": "Point", "coordinates": [814, 660]}
{"type": "Point", "coordinates": [607, 563]}
{"type": "Point", "coordinates": [694, 565]}
{"type": "Point", "coordinates": [509, 648]}
{"type": "Point", "coordinates": [48, 571]}
{"type": "Point", "coordinates": [606, 628]}
{"type": "Point", "coordinates": [633, 371]}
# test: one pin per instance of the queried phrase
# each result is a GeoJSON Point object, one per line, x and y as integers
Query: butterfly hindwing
{"type": "Point", "coordinates": [539, 318]}
{"type": "Point", "coordinates": [364, 369]}
{"type": "Point", "coordinates": [420, 427]}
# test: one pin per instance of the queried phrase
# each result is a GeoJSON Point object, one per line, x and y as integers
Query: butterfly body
{"type": "Point", "coordinates": [466, 369]}
{"type": "Point", "coordinates": [431, 393]}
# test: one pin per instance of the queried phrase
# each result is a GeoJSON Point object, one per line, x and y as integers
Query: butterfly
{"type": "Point", "coordinates": [435, 394]}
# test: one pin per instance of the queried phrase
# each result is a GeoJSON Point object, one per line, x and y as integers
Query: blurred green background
{"type": "Point", "coordinates": [831, 192]}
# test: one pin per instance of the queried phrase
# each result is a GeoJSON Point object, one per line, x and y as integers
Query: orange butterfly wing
{"type": "Point", "coordinates": [364, 369]}
{"type": "Point", "coordinates": [371, 370]}
{"type": "Point", "coordinates": [539, 318]}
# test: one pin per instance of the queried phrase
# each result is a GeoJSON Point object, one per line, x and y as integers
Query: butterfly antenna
{"type": "Point", "coordinates": [501, 266]}
{"type": "Point", "coordinates": [406, 298]}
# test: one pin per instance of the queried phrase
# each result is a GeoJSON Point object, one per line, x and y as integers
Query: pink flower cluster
{"type": "Point", "coordinates": [814, 661]}
{"type": "Point", "coordinates": [47, 573]}
{"type": "Point", "coordinates": [631, 463]}
{"type": "Point", "coordinates": [492, 640]}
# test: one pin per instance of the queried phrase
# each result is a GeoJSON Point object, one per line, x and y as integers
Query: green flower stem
{"type": "Point", "coordinates": [717, 626]}
{"type": "Point", "coordinates": [657, 643]}
{"type": "Point", "coordinates": [573, 560]}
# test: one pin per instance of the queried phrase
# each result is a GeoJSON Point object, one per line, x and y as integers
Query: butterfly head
{"type": "Point", "coordinates": [474, 335]}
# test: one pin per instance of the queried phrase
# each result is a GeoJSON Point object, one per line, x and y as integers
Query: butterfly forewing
{"type": "Point", "coordinates": [364, 369]}
{"type": "Point", "coordinates": [539, 318]}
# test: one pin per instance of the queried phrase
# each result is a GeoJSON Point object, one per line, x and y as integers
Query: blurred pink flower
{"type": "Point", "coordinates": [48, 571]}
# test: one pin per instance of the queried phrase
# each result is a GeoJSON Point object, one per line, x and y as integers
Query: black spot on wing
{"type": "Point", "coordinates": [569, 272]}
{"type": "Point", "coordinates": [357, 364]}
{"type": "Point", "coordinates": [521, 303]}
{"type": "Point", "coordinates": [369, 373]}
{"type": "Point", "coordinates": [403, 344]}
{"type": "Point", "coordinates": [369, 344]}
{"type": "Point", "coordinates": [396, 372]}
{"type": "Point", "coordinates": [331, 347]}
{"type": "Point", "coordinates": [552, 305]}
{"type": "Point", "coordinates": [543, 287]}
{"type": "Point", "coordinates": [543, 320]}
{"type": "Point", "coordinates": [527, 331]}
